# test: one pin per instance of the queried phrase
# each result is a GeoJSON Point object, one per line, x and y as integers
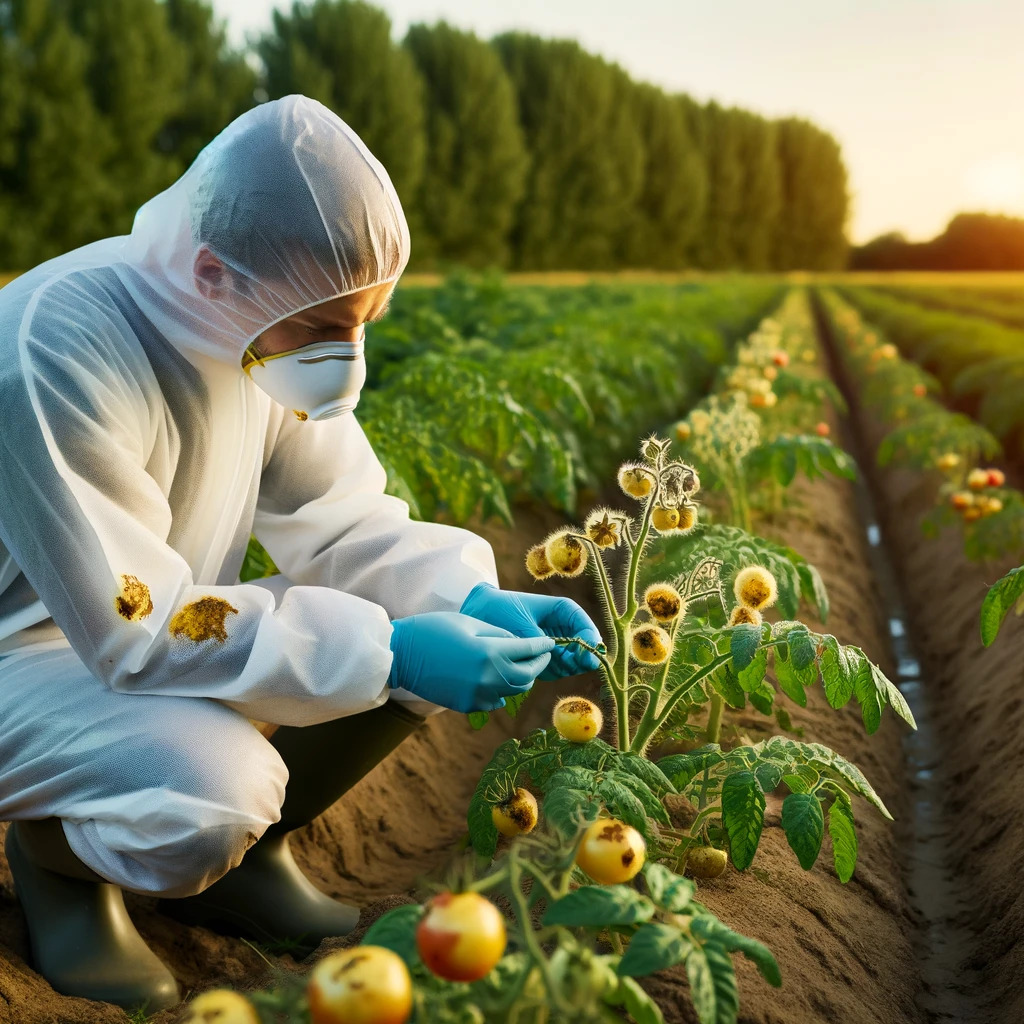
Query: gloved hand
{"type": "Point", "coordinates": [462, 663]}
{"type": "Point", "coordinates": [538, 615]}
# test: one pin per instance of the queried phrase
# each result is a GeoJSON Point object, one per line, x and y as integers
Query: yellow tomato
{"type": "Point", "coordinates": [461, 936]}
{"type": "Point", "coordinates": [611, 851]}
{"type": "Point", "coordinates": [362, 985]}
{"type": "Point", "coordinates": [664, 518]}
{"type": "Point", "coordinates": [977, 479]}
{"type": "Point", "coordinates": [516, 814]}
{"type": "Point", "coordinates": [706, 862]}
{"type": "Point", "coordinates": [223, 1005]}
{"type": "Point", "coordinates": [577, 719]}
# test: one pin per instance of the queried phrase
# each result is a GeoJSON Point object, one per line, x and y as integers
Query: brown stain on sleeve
{"type": "Point", "coordinates": [202, 620]}
{"type": "Point", "coordinates": [134, 602]}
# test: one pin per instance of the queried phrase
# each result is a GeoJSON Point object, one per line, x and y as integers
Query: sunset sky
{"type": "Point", "coordinates": [926, 97]}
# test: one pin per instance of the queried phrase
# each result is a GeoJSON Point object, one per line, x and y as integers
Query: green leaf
{"type": "Point", "coordinates": [654, 947]}
{"type": "Point", "coordinates": [713, 984]}
{"type": "Point", "coordinates": [707, 927]}
{"type": "Point", "coordinates": [568, 809]}
{"type": "Point", "coordinates": [803, 648]}
{"type": "Point", "coordinates": [598, 906]}
{"type": "Point", "coordinates": [1001, 597]}
{"type": "Point", "coordinates": [622, 803]}
{"type": "Point", "coordinates": [639, 1005]}
{"type": "Point", "coordinates": [670, 891]}
{"type": "Point", "coordinates": [869, 697]}
{"type": "Point", "coordinates": [792, 680]}
{"type": "Point", "coordinates": [768, 776]}
{"type": "Point", "coordinates": [742, 816]}
{"type": "Point", "coordinates": [478, 719]}
{"type": "Point", "coordinates": [844, 836]}
{"type": "Point", "coordinates": [836, 672]}
{"type": "Point", "coordinates": [753, 675]}
{"type": "Point", "coordinates": [804, 825]}
{"type": "Point", "coordinates": [763, 697]}
{"type": "Point", "coordinates": [812, 583]}
{"type": "Point", "coordinates": [743, 645]}
{"type": "Point", "coordinates": [396, 930]}
{"type": "Point", "coordinates": [896, 699]}
{"type": "Point", "coordinates": [650, 774]}
{"type": "Point", "coordinates": [682, 768]}
{"type": "Point", "coordinates": [652, 804]}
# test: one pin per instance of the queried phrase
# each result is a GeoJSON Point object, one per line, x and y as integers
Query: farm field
{"type": "Point", "coordinates": [827, 432]}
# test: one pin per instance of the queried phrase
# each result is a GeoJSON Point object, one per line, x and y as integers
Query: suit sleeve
{"type": "Point", "coordinates": [323, 516]}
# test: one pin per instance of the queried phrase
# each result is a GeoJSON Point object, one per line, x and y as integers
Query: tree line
{"type": "Point", "coordinates": [971, 241]}
{"type": "Point", "coordinates": [518, 152]}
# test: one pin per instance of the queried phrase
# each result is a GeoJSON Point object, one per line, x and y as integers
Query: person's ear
{"type": "Point", "coordinates": [209, 274]}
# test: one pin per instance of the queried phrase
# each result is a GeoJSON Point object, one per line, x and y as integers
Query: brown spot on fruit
{"type": "Point", "coordinates": [576, 707]}
{"type": "Point", "coordinates": [134, 601]}
{"type": "Point", "coordinates": [612, 833]}
{"type": "Point", "coordinates": [202, 620]}
{"type": "Point", "coordinates": [300, 415]}
{"type": "Point", "coordinates": [627, 858]}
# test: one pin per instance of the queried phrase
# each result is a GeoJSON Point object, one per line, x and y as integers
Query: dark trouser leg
{"type": "Point", "coordinates": [266, 897]}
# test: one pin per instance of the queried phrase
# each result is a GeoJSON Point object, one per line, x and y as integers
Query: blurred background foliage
{"type": "Point", "coordinates": [517, 153]}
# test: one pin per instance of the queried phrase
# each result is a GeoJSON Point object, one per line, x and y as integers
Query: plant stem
{"type": "Point", "coordinates": [714, 727]}
{"type": "Point", "coordinates": [526, 926]}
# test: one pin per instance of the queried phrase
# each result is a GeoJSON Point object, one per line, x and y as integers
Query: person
{"type": "Point", "coordinates": [164, 395]}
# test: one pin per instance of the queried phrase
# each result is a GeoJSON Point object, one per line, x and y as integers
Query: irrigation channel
{"type": "Point", "coordinates": [945, 942]}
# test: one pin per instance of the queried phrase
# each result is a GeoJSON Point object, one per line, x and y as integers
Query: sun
{"type": "Point", "coordinates": [997, 183]}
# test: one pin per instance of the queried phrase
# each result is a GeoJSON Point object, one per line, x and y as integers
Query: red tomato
{"type": "Point", "coordinates": [823, 429]}
{"type": "Point", "coordinates": [361, 985]}
{"type": "Point", "coordinates": [461, 936]}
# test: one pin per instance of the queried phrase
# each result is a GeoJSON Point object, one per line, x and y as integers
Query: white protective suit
{"type": "Point", "coordinates": [136, 457]}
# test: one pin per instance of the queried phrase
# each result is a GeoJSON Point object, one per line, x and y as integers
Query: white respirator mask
{"type": "Point", "coordinates": [316, 382]}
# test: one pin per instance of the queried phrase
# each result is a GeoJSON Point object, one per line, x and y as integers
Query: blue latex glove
{"type": "Point", "coordinates": [462, 663]}
{"type": "Point", "coordinates": [538, 615]}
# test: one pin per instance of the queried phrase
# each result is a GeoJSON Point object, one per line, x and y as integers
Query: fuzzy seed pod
{"type": "Point", "coordinates": [687, 517]}
{"type": "Point", "coordinates": [650, 644]}
{"type": "Point", "coordinates": [537, 563]}
{"type": "Point", "coordinates": [566, 555]}
{"type": "Point", "coordinates": [664, 519]}
{"type": "Point", "coordinates": [637, 481]}
{"type": "Point", "coordinates": [602, 529]}
{"type": "Point", "coordinates": [664, 602]}
{"type": "Point", "coordinates": [742, 615]}
{"type": "Point", "coordinates": [755, 588]}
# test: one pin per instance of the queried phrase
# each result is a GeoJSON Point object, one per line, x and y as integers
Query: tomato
{"type": "Point", "coordinates": [361, 985]}
{"type": "Point", "coordinates": [706, 862]}
{"type": "Point", "coordinates": [823, 429]}
{"type": "Point", "coordinates": [996, 478]}
{"type": "Point", "coordinates": [961, 500]}
{"type": "Point", "coordinates": [516, 814]}
{"type": "Point", "coordinates": [461, 936]}
{"type": "Point", "coordinates": [223, 1005]}
{"type": "Point", "coordinates": [977, 479]}
{"type": "Point", "coordinates": [683, 431]}
{"type": "Point", "coordinates": [611, 851]}
{"type": "Point", "coordinates": [664, 518]}
{"type": "Point", "coordinates": [577, 719]}
{"type": "Point", "coordinates": [948, 461]}
{"type": "Point", "coordinates": [781, 358]}
{"type": "Point", "coordinates": [920, 390]}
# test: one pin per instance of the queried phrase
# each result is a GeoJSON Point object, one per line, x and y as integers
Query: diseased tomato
{"type": "Point", "coordinates": [516, 814]}
{"type": "Point", "coordinates": [996, 478]}
{"type": "Point", "coordinates": [361, 985]}
{"type": "Point", "coordinates": [706, 862]}
{"type": "Point", "coordinates": [461, 936]}
{"type": "Point", "coordinates": [611, 851]}
{"type": "Point", "coordinates": [222, 1005]}
{"type": "Point", "coordinates": [577, 719]}
{"type": "Point", "coordinates": [977, 479]}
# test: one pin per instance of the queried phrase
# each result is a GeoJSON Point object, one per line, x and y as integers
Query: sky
{"type": "Point", "coordinates": [926, 97]}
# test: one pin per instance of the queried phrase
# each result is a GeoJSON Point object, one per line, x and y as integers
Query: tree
{"type": "Point", "coordinates": [475, 170]}
{"type": "Point", "coordinates": [725, 174]}
{"type": "Point", "coordinates": [586, 154]}
{"type": "Point", "coordinates": [341, 53]}
{"type": "Point", "coordinates": [760, 196]}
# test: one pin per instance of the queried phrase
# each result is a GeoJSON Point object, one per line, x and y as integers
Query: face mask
{"type": "Point", "coordinates": [316, 381]}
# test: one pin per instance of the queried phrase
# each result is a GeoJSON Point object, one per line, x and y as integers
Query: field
{"type": "Point", "coordinates": [859, 442]}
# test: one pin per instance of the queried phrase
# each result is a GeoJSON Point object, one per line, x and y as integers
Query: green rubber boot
{"type": "Point", "coordinates": [82, 940]}
{"type": "Point", "coordinates": [267, 897]}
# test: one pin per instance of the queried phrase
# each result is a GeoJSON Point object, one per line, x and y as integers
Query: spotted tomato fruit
{"type": "Point", "coordinates": [461, 936]}
{"type": "Point", "coordinates": [706, 862]}
{"type": "Point", "coordinates": [361, 985]}
{"type": "Point", "coordinates": [577, 719]}
{"type": "Point", "coordinates": [611, 851]}
{"type": "Point", "coordinates": [222, 1005]}
{"type": "Point", "coordinates": [517, 814]}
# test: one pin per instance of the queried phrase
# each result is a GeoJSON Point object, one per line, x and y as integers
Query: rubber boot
{"type": "Point", "coordinates": [267, 897]}
{"type": "Point", "coordinates": [82, 940]}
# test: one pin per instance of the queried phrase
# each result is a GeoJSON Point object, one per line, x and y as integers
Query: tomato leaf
{"type": "Point", "coordinates": [742, 816]}
{"type": "Point", "coordinates": [598, 906]}
{"type": "Point", "coordinates": [804, 825]}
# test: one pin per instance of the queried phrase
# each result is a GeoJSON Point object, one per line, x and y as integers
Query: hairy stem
{"type": "Point", "coordinates": [714, 728]}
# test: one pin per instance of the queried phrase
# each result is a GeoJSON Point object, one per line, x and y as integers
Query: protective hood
{"type": "Point", "coordinates": [293, 204]}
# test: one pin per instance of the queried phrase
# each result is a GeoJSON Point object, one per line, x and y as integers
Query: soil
{"type": "Point", "coordinates": [846, 952]}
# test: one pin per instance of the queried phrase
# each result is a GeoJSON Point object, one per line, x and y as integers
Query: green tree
{"type": "Point", "coordinates": [760, 196]}
{"type": "Point", "coordinates": [219, 83]}
{"type": "Point", "coordinates": [475, 170]}
{"type": "Point", "coordinates": [674, 186]}
{"type": "Point", "coordinates": [815, 200]}
{"type": "Point", "coordinates": [341, 53]}
{"type": "Point", "coordinates": [53, 144]}
{"type": "Point", "coordinates": [135, 75]}
{"type": "Point", "coordinates": [586, 153]}
{"type": "Point", "coordinates": [724, 155]}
